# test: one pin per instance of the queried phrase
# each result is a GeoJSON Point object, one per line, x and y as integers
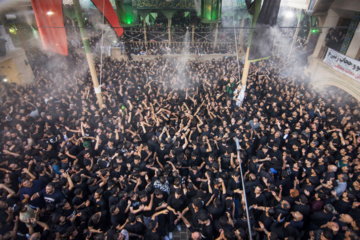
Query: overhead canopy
{"type": "Point", "coordinates": [162, 4]}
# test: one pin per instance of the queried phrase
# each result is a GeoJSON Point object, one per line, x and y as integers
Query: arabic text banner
{"type": "Point", "coordinates": [343, 64]}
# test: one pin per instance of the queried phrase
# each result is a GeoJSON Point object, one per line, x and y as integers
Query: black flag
{"type": "Point", "coordinates": [250, 6]}
{"type": "Point", "coordinates": [262, 43]}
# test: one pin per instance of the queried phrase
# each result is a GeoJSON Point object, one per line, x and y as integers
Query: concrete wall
{"type": "Point", "coordinates": [355, 44]}
{"type": "Point", "coordinates": [351, 5]}
{"type": "Point", "coordinates": [14, 66]}
{"type": "Point", "coordinates": [298, 4]}
{"type": "Point", "coordinates": [331, 19]}
{"type": "Point", "coordinates": [322, 76]}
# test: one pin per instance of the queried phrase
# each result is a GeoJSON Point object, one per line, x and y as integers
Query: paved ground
{"type": "Point", "coordinates": [183, 234]}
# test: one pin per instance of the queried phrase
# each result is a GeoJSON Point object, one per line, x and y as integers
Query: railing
{"type": "Point", "coordinates": [160, 34]}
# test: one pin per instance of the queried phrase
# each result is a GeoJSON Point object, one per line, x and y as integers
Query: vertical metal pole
{"type": "Point", "coordinates": [253, 24]}
{"type": "Point", "coordinates": [295, 36]}
{"type": "Point", "coordinates": [246, 68]}
{"type": "Point", "coordinates": [241, 33]}
{"type": "Point", "coordinates": [216, 34]}
{"type": "Point", "coordinates": [243, 185]}
{"type": "Point", "coordinates": [169, 30]}
{"type": "Point", "coordinates": [145, 36]}
{"type": "Point", "coordinates": [74, 29]}
{"type": "Point", "coordinates": [22, 41]}
{"type": "Point", "coordinates": [88, 54]}
{"type": "Point", "coordinates": [192, 34]}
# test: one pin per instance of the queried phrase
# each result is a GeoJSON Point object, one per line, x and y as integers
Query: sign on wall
{"type": "Point", "coordinates": [350, 33]}
{"type": "Point", "coordinates": [343, 64]}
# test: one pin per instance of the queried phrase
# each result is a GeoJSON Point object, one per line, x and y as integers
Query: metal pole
{"type": "Point", "coordinates": [243, 185]}
{"type": "Point", "coordinates": [253, 24]}
{"type": "Point", "coordinates": [295, 36]}
{"type": "Point", "coordinates": [88, 54]}
{"type": "Point", "coordinates": [169, 30]}
{"type": "Point", "coordinates": [241, 32]}
{"type": "Point", "coordinates": [192, 35]}
{"type": "Point", "coordinates": [216, 34]}
{"type": "Point", "coordinates": [145, 36]}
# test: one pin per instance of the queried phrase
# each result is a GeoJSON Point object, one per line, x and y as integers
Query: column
{"type": "Point", "coordinates": [169, 31]}
{"type": "Point", "coordinates": [192, 34]}
{"type": "Point", "coordinates": [216, 34]}
{"type": "Point", "coordinates": [241, 32]}
{"type": "Point", "coordinates": [331, 19]}
{"type": "Point", "coordinates": [145, 36]}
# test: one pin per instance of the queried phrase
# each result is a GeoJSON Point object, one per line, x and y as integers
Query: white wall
{"type": "Point", "coordinates": [298, 4]}
{"type": "Point", "coordinates": [351, 5]}
{"type": "Point", "coordinates": [331, 20]}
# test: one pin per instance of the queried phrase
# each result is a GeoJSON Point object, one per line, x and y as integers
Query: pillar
{"type": "Point", "coordinates": [145, 36]}
{"type": "Point", "coordinates": [169, 31]}
{"type": "Point", "coordinates": [295, 37]}
{"type": "Point", "coordinates": [354, 45]}
{"type": "Point", "coordinates": [88, 53]}
{"type": "Point", "coordinates": [331, 19]}
{"type": "Point", "coordinates": [192, 34]}
{"type": "Point", "coordinates": [216, 34]}
{"type": "Point", "coordinates": [241, 32]}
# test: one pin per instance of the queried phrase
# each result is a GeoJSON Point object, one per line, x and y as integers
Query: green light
{"type": "Point", "coordinates": [315, 30]}
{"type": "Point", "coordinates": [210, 11]}
{"type": "Point", "coordinates": [126, 13]}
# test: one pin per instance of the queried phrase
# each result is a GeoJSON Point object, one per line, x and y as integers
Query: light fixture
{"type": "Point", "coordinates": [289, 14]}
{"type": "Point", "coordinates": [5, 80]}
{"type": "Point", "coordinates": [49, 13]}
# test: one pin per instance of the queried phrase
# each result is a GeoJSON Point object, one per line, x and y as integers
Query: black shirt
{"type": "Point", "coordinates": [137, 228]}
{"type": "Point", "coordinates": [178, 204]}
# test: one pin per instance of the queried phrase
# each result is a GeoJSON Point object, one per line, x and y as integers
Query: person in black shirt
{"type": "Point", "coordinates": [44, 234]}
{"type": "Point", "coordinates": [146, 204]}
{"type": "Point", "coordinates": [154, 232]}
{"type": "Point", "coordinates": [257, 197]}
{"type": "Point", "coordinates": [161, 153]}
{"type": "Point", "coordinates": [115, 217]}
{"type": "Point", "coordinates": [176, 203]}
{"type": "Point", "coordinates": [134, 226]}
{"type": "Point", "coordinates": [98, 222]}
{"type": "Point", "coordinates": [61, 223]}
{"type": "Point", "coordinates": [320, 218]}
{"type": "Point", "coordinates": [98, 201]}
{"type": "Point", "coordinates": [50, 194]}
{"type": "Point", "coordinates": [206, 226]}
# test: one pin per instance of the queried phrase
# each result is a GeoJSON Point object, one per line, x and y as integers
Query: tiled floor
{"type": "Point", "coordinates": [183, 234]}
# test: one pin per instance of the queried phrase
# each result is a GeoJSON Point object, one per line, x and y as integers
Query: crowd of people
{"type": "Point", "coordinates": [160, 153]}
{"type": "Point", "coordinates": [335, 38]}
{"type": "Point", "coordinates": [156, 48]}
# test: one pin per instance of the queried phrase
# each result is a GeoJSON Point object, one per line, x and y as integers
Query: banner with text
{"type": "Point", "coordinates": [343, 64]}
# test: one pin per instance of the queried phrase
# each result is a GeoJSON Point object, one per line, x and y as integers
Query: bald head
{"type": "Point", "coordinates": [196, 236]}
{"type": "Point", "coordinates": [298, 216]}
{"type": "Point", "coordinates": [332, 168]}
